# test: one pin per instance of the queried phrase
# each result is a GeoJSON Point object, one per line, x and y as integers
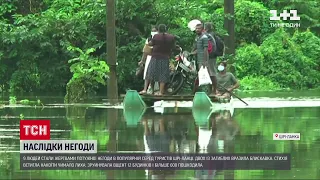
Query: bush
{"type": "Point", "coordinates": [252, 24]}
{"type": "Point", "coordinates": [249, 61]}
{"type": "Point", "coordinates": [258, 83]}
{"type": "Point", "coordinates": [285, 63]}
{"type": "Point", "coordinates": [309, 45]}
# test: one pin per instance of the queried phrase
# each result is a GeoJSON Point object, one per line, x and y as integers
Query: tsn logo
{"type": "Point", "coordinates": [292, 15]}
{"type": "Point", "coordinates": [35, 130]}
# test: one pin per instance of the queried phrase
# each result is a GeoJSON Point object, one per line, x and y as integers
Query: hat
{"type": "Point", "coordinates": [192, 24]}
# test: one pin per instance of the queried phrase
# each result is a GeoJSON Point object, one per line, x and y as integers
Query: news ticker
{"type": "Point", "coordinates": [154, 161]}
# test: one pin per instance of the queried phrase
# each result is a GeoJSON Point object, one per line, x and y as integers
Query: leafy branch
{"type": "Point", "coordinates": [88, 67]}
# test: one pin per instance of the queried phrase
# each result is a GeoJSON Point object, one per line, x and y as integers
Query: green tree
{"type": "Point", "coordinates": [35, 39]}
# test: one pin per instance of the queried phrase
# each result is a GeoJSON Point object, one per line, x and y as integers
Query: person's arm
{"type": "Point", "coordinates": [194, 47]}
{"type": "Point", "coordinates": [205, 47]}
{"type": "Point", "coordinates": [143, 58]}
{"type": "Point", "coordinates": [236, 83]}
{"type": "Point", "coordinates": [151, 42]}
{"type": "Point", "coordinates": [145, 52]}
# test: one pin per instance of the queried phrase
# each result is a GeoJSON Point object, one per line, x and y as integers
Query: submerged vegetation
{"type": "Point", "coordinates": [58, 45]}
{"type": "Point", "coordinates": [13, 101]}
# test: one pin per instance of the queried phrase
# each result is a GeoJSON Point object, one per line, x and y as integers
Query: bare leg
{"type": "Point", "coordinates": [146, 85]}
{"type": "Point", "coordinates": [152, 86]}
{"type": "Point", "coordinates": [162, 87]}
{"type": "Point", "coordinates": [156, 86]}
{"type": "Point", "coordinates": [196, 85]}
{"type": "Point", "coordinates": [226, 95]}
{"type": "Point", "coordinates": [196, 81]}
{"type": "Point", "coordinates": [214, 84]}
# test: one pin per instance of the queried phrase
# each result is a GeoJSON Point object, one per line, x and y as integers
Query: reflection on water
{"type": "Point", "coordinates": [218, 137]}
{"type": "Point", "coordinates": [175, 131]}
{"type": "Point", "coordinates": [157, 138]}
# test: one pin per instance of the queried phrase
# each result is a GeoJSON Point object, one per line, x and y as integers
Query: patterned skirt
{"type": "Point", "coordinates": [158, 70]}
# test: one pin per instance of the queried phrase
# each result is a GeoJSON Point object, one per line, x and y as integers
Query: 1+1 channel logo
{"type": "Point", "coordinates": [292, 15]}
{"type": "Point", "coordinates": [34, 129]}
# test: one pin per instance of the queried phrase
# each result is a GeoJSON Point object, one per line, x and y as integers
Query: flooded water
{"type": "Point", "coordinates": [238, 130]}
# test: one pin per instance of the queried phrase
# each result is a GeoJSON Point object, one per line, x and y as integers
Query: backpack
{"type": "Point", "coordinates": [210, 47]}
{"type": "Point", "coordinates": [210, 44]}
{"type": "Point", "coordinates": [219, 46]}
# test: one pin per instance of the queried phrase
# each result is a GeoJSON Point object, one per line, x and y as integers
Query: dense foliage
{"type": "Point", "coordinates": [39, 38]}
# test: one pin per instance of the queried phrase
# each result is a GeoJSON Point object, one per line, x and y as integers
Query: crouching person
{"type": "Point", "coordinates": [226, 81]}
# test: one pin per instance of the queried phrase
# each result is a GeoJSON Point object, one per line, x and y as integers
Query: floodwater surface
{"type": "Point", "coordinates": [242, 130]}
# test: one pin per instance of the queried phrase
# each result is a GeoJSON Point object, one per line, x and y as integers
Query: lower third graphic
{"type": "Point", "coordinates": [286, 136]}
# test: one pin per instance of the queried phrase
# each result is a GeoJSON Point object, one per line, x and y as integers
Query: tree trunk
{"type": "Point", "coordinates": [111, 52]}
{"type": "Point", "coordinates": [229, 26]}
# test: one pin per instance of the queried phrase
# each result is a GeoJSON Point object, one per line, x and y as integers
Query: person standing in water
{"type": "Point", "coordinates": [226, 80]}
{"type": "Point", "coordinates": [158, 70]}
{"type": "Point", "coordinates": [146, 57]}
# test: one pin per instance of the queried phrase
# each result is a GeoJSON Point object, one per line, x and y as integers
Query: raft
{"type": "Point", "coordinates": [200, 99]}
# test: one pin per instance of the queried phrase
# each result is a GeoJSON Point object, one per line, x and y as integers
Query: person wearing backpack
{"type": "Point", "coordinates": [208, 27]}
{"type": "Point", "coordinates": [204, 47]}
{"type": "Point", "coordinates": [217, 51]}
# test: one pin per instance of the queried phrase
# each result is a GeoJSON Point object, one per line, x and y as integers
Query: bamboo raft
{"type": "Point", "coordinates": [171, 98]}
{"type": "Point", "coordinates": [149, 100]}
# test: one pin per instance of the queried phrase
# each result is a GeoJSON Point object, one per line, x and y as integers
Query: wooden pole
{"type": "Point", "coordinates": [229, 26]}
{"type": "Point", "coordinates": [111, 52]}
